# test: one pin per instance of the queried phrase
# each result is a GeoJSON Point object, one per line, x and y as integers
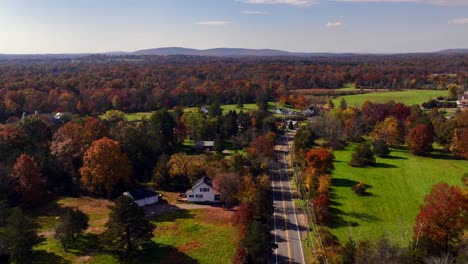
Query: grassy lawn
{"type": "Point", "coordinates": [410, 97]}
{"type": "Point", "coordinates": [202, 235]}
{"type": "Point", "coordinates": [195, 236]}
{"type": "Point", "coordinates": [398, 185]}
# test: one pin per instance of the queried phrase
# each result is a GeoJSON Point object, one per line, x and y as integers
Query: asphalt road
{"type": "Point", "coordinates": [285, 229]}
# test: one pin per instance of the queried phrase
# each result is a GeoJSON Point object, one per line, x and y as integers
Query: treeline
{"type": "Point", "coordinates": [95, 85]}
{"type": "Point", "coordinates": [438, 231]}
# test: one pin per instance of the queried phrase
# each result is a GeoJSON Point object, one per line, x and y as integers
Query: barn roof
{"type": "Point", "coordinates": [143, 193]}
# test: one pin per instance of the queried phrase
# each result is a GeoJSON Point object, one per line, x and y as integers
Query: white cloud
{"type": "Point", "coordinates": [213, 23]}
{"type": "Point", "coordinates": [297, 3]}
{"type": "Point", "coordinates": [432, 2]}
{"type": "Point", "coordinates": [334, 24]}
{"type": "Point", "coordinates": [459, 21]}
{"type": "Point", "coordinates": [247, 12]}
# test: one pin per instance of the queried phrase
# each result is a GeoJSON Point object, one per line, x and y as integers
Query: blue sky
{"type": "Point", "coordinates": [66, 26]}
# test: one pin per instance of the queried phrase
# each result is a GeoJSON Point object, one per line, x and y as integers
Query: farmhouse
{"type": "Point", "coordinates": [143, 196]}
{"type": "Point", "coordinates": [203, 191]}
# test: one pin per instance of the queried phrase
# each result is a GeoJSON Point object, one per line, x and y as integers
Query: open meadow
{"type": "Point", "coordinates": [397, 186]}
{"type": "Point", "coordinates": [408, 97]}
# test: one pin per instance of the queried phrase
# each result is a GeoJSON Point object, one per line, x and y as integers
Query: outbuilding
{"type": "Point", "coordinates": [143, 196]}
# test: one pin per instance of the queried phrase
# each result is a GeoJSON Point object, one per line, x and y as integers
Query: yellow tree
{"type": "Point", "coordinates": [389, 130]}
{"type": "Point", "coordinates": [105, 167]}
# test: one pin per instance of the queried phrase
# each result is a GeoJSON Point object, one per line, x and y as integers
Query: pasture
{"type": "Point", "coordinates": [408, 97]}
{"type": "Point", "coordinates": [397, 186]}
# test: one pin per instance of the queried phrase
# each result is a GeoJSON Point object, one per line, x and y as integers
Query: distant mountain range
{"type": "Point", "coordinates": [230, 52]}
{"type": "Point", "coordinates": [217, 52]}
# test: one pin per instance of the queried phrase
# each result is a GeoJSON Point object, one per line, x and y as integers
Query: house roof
{"type": "Point", "coordinates": [202, 144]}
{"type": "Point", "coordinates": [205, 180]}
{"type": "Point", "coordinates": [142, 193]}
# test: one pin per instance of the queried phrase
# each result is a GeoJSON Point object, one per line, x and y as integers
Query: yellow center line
{"type": "Point", "coordinates": [285, 218]}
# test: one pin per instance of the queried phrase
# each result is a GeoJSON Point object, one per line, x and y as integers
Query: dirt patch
{"type": "Point", "coordinates": [188, 247]}
{"type": "Point", "coordinates": [217, 216]}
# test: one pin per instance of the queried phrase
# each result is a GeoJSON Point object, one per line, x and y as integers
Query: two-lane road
{"type": "Point", "coordinates": [286, 229]}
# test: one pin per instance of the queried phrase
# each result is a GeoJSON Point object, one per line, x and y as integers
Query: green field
{"type": "Point", "coordinates": [410, 97]}
{"type": "Point", "coordinates": [185, 236]}
{"type": "Point", "coordinates": [398, 186]}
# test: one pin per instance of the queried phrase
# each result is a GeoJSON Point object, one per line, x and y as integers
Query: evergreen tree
{"type": "Point", "coordinates": [128, 230]}
{"type": "Point", "coordinates": [72, 223]}
{"type": "Point", "coordinates": [349, 251]}
{"type": "Point", "coordinates": [258, 242]}
{"type": "Point", "coordinates": [380, 148]}
{"type": "Point", "coordinates": [362, 156]}
{"type": "Point", "coordinates": [19, 237]}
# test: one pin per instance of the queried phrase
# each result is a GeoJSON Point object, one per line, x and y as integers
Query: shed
{"type": "Point", "coordinates": [143, 196]}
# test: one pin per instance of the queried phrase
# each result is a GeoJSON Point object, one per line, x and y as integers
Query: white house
{"type": "Point", "coordinates": [143, 196]}
{"type": "Point", "coordinates": [202, 191]}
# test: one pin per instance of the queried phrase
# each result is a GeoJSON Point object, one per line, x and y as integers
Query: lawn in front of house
{"type": "Point", "coordinates": [185, 236]}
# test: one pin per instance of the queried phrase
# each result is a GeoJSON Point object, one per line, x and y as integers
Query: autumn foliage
{"type": "Point", "coordinates": [419, 140]}
{"type": "Point", "coordinates": [442, 218]}
{"type": "Point", "coordinates": [105, 167]}
{"type": "Point", "coordinates": [320, 159]}
{"type": "Point", "coordinates": [29, 184]}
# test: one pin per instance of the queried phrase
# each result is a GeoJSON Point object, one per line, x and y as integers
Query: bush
{"type": "Point", "coordinates": [360, 188]}
{"type": "Point", "coordinates": [380, 148]}
{"type": "Point", "coordinates": [362, 156]}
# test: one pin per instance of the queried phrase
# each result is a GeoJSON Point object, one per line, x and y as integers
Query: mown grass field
{"type": "Point", "coordinates": [409, 97]}
{"type": "Point", "coordinates": [186, 236]}
{"type": "Point", "coordinates": [398, 185]}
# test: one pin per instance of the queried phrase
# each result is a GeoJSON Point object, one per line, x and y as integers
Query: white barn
{"type": "Point", "coordinates": [143, 196]}
{"type": "Point", "coordinates": [202, 192]}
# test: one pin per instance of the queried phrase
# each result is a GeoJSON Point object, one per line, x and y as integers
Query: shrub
{"type": "Point", "coordinates": [360, 188]}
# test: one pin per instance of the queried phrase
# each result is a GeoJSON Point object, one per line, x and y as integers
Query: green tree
{"type": "Point", "coordinates": [258, 242]}
{"type": "Point", "coordinates": [19, 237]}
{"type": "Point", "coordinates": [380, 148]}
{"type": "Point", "coordinates": [343, 104]}
{"type": "Point", "coordinates": [215, 109]}
{"type": "Point", "coordinates": [452, 91]}
{"type": "Point", "coordinates": [362, 156]}
{"type": "Point", "coordinates": [128, 230]}
{"type": "Point", "coordinates": [72, 223]}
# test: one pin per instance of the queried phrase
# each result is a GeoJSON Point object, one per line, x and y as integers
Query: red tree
{"type": "Point", "coordinates": [321, 205]}
{"type": "Point", "coordinates": [419, 140]}
{"type": "Point", "coordinates": [320, 159]}
{"type": "Point", "coordinates": [29, 184]}
{"type": "Point", "coordinates": [263, 146]}
{"type": "Point", "coordinates": [442, 217]}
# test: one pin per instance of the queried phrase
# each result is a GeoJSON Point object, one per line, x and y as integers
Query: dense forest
{"type": "Point", "coordinates": [99, 83]}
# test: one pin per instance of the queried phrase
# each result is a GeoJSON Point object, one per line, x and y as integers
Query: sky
{"type": "Point", "coordinates": [364, 26]}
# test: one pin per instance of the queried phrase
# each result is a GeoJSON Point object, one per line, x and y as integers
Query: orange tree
{"type": "Point", "coordinates": [105, 167]}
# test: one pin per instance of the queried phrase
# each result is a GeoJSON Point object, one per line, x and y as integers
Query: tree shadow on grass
{"type": "Point", "coordinates": [337, 182]}
{"type": "Point", "coordinates": [338, 219]}
{"type": "Point", "coordinates": [441, 156]}
{"type": "Point", "coordinates": [171, 216]}
{"type": "Point", "coordinates": [384, 166]}
{"type": "Point", "coordinates": [163, 254]}
{"type": "Point", "coordinates": [391, 157]}
{"type": "Point", "coordinates": [44, 257]}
